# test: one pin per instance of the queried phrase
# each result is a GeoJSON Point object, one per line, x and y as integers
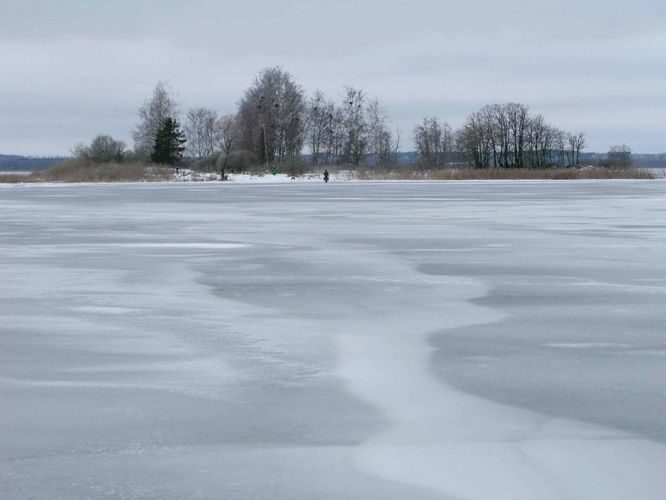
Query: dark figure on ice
{"type": "Point", "coordinates": [325, 175]}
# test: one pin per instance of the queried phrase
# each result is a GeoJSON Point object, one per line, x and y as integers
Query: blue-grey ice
{"type": "Point", "coordinates": [351, 340]}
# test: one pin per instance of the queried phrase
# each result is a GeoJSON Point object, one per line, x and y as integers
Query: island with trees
{"type": "Point", "coordinates": [278, 126]}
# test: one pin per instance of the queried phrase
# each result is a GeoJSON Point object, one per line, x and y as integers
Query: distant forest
{"type": "Point", "coordinates": [641, 160]}
{"type": "Point", "coordinates": [16, 163]}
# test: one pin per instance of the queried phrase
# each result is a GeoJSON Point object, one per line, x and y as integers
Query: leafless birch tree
{"type": "Point", "coordinates": [152, 113]}
{"type": "Point", "coordinates": [200, 132]}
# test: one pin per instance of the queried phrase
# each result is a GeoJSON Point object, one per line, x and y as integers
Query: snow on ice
{"type": "Point", "coordinates": [350, 340]}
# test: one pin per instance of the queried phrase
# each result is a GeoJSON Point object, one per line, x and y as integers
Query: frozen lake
{"type": "Point", "coordinates": [357, 340]}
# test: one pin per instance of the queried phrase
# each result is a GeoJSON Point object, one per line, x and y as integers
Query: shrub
{"type": "Point", "coordinates": [78, 170]}
{"type": "Point", "coordinates": [503, 173]}
{"type": "Point", "coordinates": [15, 178]}
{"type": "Point", "coordinates": [102, 149]}
{"type": "Point", "coordinates": [238, 161]}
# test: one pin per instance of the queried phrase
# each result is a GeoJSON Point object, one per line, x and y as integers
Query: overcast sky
{"type": "Point", "coordinates": [70, 69]}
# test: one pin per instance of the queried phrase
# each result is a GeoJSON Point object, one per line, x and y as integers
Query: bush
{"type": "Point", "coordinates": [15, 178]}
{"type": "Point", "coordinates": [294, 167]}
{"type": "Point", "coordinates": [239, 161]}
{"type": "Point", "coordinates": [503, 173]}
{"type": "Point", "coordinates": [102, 149]}
{"type": "Point", "coordinates": [208, 164]}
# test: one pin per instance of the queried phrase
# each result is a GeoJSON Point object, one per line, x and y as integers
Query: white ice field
{"type": "Point", "coordinates": [501, 340]}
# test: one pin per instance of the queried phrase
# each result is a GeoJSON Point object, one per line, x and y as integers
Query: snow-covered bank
{"type": "Point", "coordinates": [186, 175]}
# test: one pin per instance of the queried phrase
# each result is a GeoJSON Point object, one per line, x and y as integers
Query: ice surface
{"type": "Point", "coordinates": [357, 340]}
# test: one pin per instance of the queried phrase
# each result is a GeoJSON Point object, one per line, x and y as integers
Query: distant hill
{"type": "Point", "coordinates": [16, 163]}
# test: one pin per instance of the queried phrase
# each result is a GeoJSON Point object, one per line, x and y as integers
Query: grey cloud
{"type": "Point", "coordinates": [78, 67]}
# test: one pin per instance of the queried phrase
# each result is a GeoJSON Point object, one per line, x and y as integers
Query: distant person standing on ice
{"type": "Point", "coordinates": [326, 175]}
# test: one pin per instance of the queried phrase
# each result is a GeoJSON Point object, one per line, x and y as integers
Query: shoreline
{"type": "Point", "coordinates": [188, 176]}
{"type": "Point", "coordinates": [332, 182]}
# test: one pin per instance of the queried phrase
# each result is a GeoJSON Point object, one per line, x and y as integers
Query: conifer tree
{"type": "Point", "coordinates": [169, 143]}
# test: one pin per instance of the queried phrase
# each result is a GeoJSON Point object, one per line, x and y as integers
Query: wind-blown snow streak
{"type": "Point", "coordinates": [467, 447]}
{"type": "Point", "coordinates": [454, 443]}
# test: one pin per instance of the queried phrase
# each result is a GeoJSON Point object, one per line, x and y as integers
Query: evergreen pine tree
{"type": "Point", "coordinates": [169, 143]}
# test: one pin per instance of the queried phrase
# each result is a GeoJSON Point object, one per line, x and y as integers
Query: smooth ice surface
{"type": "Point", "coordinates": [358, 340]}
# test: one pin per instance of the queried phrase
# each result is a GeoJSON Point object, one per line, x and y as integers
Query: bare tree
{"type": "Point", "coordinates": [336, 136]}
{"type": "Point", "coordinates": [517, 118]}
{"type": "Point", "coordinates": [271, 116]}
{"type": "Point", "coordinates": [396, 146]}
{"type": "Point", "coordinates": [200, 132]}
{"type": "Point", "coordinates": [561, 146]}
{"type": "Point", "coordinates": [498, 132]}
{"type": "Point", "coordinates": [505, 135]}
{"type": "Point", "coordinates": [152, 114]}
{"type": "Point", "coordinates": [476, 141]}
{"type": "Point", "coordinates": [379, 136]}
{"type": "Point", "coordinates": [226, 138]}
{"type": "Point", "coordinates": [541, 143]}
{"type": "Point", "coordinates": [355, 126]}
{"type": "Point", "coordinates": [434, 141]}
{"type": "Point", "coordinates": [619, 156]}
{"type": "Point", "coordinates": [575, 143]}
{"type": "Point", "coordinates": [319, 116]}
{"type": "Point", "coordinates": [102, 149]}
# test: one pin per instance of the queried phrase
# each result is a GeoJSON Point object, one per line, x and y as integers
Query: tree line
{"type": "Point", "coordinates": [276, 122]}
{"type": "Point", "coordinates": [506, 135]}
